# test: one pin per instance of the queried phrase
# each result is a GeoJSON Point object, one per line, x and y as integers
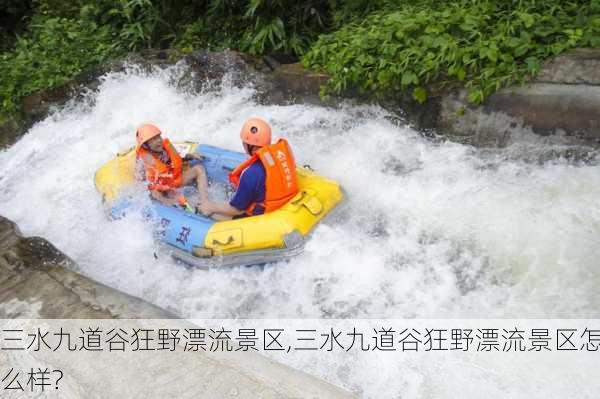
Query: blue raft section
{"type": "Point", "coordinates": [174, 225]}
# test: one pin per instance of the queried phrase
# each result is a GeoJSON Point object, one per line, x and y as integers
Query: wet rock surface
{"type": "Point", "coordinates": [563, 101]}
{"type": "Point", "coordinates": [578, 66]}
{"type": "Point", "coordinates": [36, 283]}
{"type": "Point", "coordinates": [35, 272]}
{"type": "Point", "coordinates": [9, 131]}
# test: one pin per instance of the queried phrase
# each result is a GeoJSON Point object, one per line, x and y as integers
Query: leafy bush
{"type": "Point", "coordinates": [259, 26]}
{"type": "Point", "coordinates": [138, 23]}
{"type": "Point", "coordinates": [55, 51]}
{"type": "Point", "coordinates": [383, 47]}
{"type": "Point", "coordinates": [355, 10]}
{"type": "Point", "coordinates": [12, 14]}
{"type": "Point", "coordinates": [64, 38]}
{"type": "Point", "coordinates": [287, 26]}
{"type": "Point", "coordinates": [482, 44]}
{"type": "Point", "coordinates": [211, 33]}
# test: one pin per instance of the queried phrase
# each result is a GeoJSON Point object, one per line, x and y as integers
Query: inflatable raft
{"type": "Point", "coordinates": [205, 243]}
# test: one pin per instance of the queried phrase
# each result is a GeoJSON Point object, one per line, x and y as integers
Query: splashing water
{"type": "Point", "coordinates": [427, 229]}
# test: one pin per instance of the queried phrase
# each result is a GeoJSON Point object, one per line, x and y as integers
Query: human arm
{"type": "Point", "coordinates": [250, 189]}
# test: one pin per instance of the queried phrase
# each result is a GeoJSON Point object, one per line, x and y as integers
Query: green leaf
{"type": "Point", "coordinates": [475, 96]}
{"type": "Point", "coordinates": [594, 41]}
{"type": "Point", "coordinates": [492, 55]}
{"type": "Point", "coordinates": [409, 78]}
{"type": "Point", "coordinates": [527, 19]}
{"type": "Point", "coordinates": [420, 94]}
{"type": "Point", "coordinates": [533, 65]}
{"type": "Point", "coordinates": [521, 50]}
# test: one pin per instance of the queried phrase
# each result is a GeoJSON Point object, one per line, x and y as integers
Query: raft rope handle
{"type": "Point", "coordinates": [306, 199]}
{"type": "Point", "coordinates": [229, 241]}
{"type": "Point", "coordinates": [302, 194]}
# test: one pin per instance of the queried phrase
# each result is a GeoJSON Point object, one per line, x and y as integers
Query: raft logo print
{"type": "Point", "coordinates": [164, 225]}
{"type": "Point", "coordinates": [183, 235]}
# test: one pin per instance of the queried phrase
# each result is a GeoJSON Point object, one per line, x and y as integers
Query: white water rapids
{"type": "Point", "coordinates": [428, 230]}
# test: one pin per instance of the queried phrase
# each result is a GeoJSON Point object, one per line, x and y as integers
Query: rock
{"type": "Point", "coordinates": [562, 103]}
{"type": "Point", "coordinates": [283, 58]}
{"type": "Point", "coordinates": [37, 105]}
{"type": "Point", "coordinates": [275, 82]}
{"type": "Point", "coordinates": [32, 270]}
{"type": "Point", "coordinates": [9, 132]}
{"type": "Point", "coordinates": [9, 233]}
{"type": "Point", "coordinates": [295, 80]}
{"type": "Point", "coordinates": [208, 68]}
{"type": "Point", "coordinates": [462, 122]}
{"type": "Point", "coordinates": [549, 107]}
{"type": "Point", "coordinates": [571, 113]}
{"type": "Point", "coordinates": [577, 66]}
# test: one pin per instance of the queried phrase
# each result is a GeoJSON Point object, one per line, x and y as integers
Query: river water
{"type": "Point", "coordinates": [428, 229]}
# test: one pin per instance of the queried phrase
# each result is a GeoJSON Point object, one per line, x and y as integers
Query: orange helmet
{"type": "Point", "coordinates": [256, 132]}
{"type": "Point", "coordinates": [144, 133]}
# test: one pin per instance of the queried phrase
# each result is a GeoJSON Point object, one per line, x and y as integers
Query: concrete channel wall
{"type": "Point", "coordinates": [36, 283]}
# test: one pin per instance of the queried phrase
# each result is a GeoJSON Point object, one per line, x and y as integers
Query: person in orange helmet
{"type": "Point", "coordinates": [164, 168]}
{"type": "Point", "coordinates": [264, 182]}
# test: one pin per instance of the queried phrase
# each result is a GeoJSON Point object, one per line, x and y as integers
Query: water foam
{"type": "Point", "coordinates": [427, 229]}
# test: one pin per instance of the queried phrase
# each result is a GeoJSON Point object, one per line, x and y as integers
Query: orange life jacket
{"type": "Point", "coordinates": [280, 181]}
{"type": "Point", "coordinates": [162, 176]}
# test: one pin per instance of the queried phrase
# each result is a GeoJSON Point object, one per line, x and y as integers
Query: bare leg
{"type": "Point", "coordinates": [199, 174]}
{"type": "Point", "coordinates": [219, 218]}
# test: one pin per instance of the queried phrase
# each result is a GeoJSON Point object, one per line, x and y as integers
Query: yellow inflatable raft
{"type": "Point", "coordinates": [204, 243]}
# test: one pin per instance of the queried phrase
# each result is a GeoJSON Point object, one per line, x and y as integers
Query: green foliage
{"type": "Point", "coordinates": [481, 44]}
{"type": "Point", "coordinates": [65, 37]}
{"type": "Point", "coordinates": [219, 29]}
{"type": "Point", "coordinates": [12, 15]}
{"type": "Point", "coordinates": [55, 51]}
{"type": "Point", "coordinates": [355, 10]}
{"type": "Point", "coordinates": [205, 34]}
{"type": "Point", "coordinates": [139, 24]}
{"type": "Point", "coordinates": [286, 26]}
{"type": "Point", "coordinates": [384, 47]}
{"type": "Point", "coordinates": [258, 26]}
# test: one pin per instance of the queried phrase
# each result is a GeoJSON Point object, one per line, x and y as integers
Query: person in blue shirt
{"type": "Point", "coordinates": [251, 185]}
{"type": "Point", "coordinates": [264, 182]}
{"type": "Point", "coordinates": [251, 189]}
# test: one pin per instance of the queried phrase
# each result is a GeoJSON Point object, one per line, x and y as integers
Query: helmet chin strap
{"type": "Point", "coordinates": [147, 147]}
{"type": "Point", "coordinates": [250, 148]}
